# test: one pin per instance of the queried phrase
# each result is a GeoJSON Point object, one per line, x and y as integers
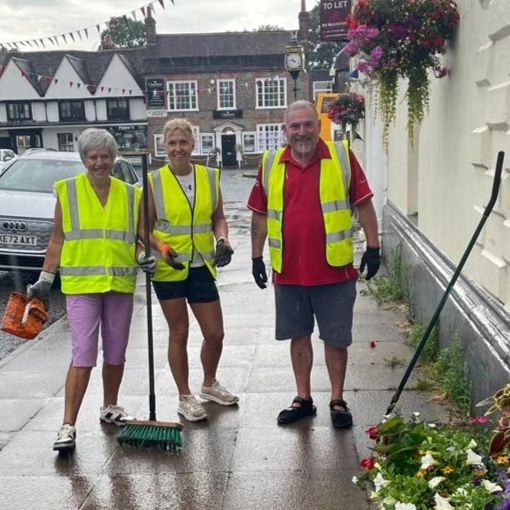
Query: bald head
{"type": "Point", "coordinates": [302, 104]}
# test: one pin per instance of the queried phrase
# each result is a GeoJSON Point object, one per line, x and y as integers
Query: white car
{"type": "Point", "coordinates": [27, 203]}
{"type": "Point", "coordinates": [6, 155]}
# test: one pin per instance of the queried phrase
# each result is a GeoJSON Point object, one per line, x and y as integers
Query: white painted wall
{"type": "Point", "coordinates": [67, 84]}
{"type": "Point", "coordinates": [447, 176]}
{"type": "Point", "coordinates": [14, 87]}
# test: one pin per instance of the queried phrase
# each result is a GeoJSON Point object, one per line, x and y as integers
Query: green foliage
{"type": "Point", "coordinates": [320, 54]}
{"type": "Point", "coordinates": [269, 28]}
{"type": "Point", "coordinates": [431, 349]}
{"type": "Point", "coordinates": [394, 361]}
{"type": "Point", "coordinates": [451, 372]}
{"type": "Point", "coordinates": [125, 33]}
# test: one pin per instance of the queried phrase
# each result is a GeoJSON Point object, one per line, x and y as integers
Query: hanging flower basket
{"type": "Point", "coordinates": [402, 39]}
{"type": "Point", "coordinates": [347, 108]}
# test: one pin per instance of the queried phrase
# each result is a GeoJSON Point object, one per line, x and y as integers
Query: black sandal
{"type": "Point", "coordinates": [341, 419]}
{"type": "Point", "coordinates": [292, 414]}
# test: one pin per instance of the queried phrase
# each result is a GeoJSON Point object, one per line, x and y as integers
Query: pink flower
{"type": "Point", "coordinates": [480, 420]}
{"type": "Point", "coordinates": [373, 432]}
{"type": "Point", "coordinates": [373, 344]}
{"type": "Point", "coordinates": [367, 464]}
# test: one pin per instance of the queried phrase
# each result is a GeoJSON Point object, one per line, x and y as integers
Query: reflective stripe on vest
{"type": "Point", "coordinates": [335, 176]}
{"type": "Point", "coordinates": [99, 242]}
{"type": "Point", "coordinates": [182, 225]}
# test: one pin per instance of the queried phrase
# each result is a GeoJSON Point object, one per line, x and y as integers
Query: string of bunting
{"type": "Point", "coordinates": [66, 38]}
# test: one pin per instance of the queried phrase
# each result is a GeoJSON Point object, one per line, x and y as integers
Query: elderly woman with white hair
{"type": "Point", "coordinates": [93, 246]}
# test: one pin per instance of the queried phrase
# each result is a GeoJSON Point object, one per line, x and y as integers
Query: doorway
{"type": "Point", "coordinates": [228, 150]}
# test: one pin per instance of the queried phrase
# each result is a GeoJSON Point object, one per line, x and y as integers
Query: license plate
{"type": "Point", "coordinates": [17, 240]}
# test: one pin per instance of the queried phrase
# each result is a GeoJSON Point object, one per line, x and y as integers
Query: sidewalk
{"type": "Point", "coordinates": [241, 459]}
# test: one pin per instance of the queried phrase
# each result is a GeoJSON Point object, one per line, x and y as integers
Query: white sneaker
{"type": "Point", "coordinates": [66, 439]}
{"type": "Point", "coordinates": [219, 394]}
{"type": "Point", "coordinates": [191, 408]}
{"type": "Point", "coordinates": [114, 414]}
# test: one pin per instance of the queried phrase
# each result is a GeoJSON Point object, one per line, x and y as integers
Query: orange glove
{"type": "Point", "coordinates": [169, 256]}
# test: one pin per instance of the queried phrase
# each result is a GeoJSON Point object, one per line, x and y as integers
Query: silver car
{"type": "Point", "coordinates": [6, 155]}
{"type": "Point", "coordinates": [27, 203]}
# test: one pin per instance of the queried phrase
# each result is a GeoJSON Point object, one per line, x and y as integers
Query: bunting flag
{"type": "Point", "coordinates": [147, 10]}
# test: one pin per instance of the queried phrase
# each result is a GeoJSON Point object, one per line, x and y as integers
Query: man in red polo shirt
{"type": "Point", "coordinates": [305, 193]}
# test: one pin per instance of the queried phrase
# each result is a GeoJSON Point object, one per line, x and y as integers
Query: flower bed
{"type": "Point", "coordinates": [417, 465]}
{"type": "Point", "coordinates": [402, 39]}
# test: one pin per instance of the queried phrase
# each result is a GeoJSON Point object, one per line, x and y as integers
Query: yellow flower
{"type": "Point", "coordinates": [421, 473]}
{"type": "Point", "coordinates": [503, 459]}
{"type": "Point", "coordinates": [448, 470]}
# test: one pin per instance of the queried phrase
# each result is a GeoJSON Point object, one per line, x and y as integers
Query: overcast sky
{"type": "Point", "coordinates": [33, 19]}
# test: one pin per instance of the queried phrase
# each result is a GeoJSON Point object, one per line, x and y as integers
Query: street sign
{"type": "Point", "coordinates": [334, 14]}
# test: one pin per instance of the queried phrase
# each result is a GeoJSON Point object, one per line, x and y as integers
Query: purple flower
{"type": "Point", "coordinates": [364, 67]}
{"type": "Point", "coordinates": [377, 53]}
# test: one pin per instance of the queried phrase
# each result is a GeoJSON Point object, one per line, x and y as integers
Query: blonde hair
{"type": "Point", "coordinates": [181, 124]}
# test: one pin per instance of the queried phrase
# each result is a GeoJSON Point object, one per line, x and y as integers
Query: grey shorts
{"type": "Point", "coordinates": [331, 305]}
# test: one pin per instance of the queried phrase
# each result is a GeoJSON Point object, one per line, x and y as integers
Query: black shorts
{"type": "Point", "coordinates": [199, 287]}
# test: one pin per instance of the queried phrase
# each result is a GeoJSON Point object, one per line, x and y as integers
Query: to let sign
{"type": "Point", "coordinates": [334, 14]}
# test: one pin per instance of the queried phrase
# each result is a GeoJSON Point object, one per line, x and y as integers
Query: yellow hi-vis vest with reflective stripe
{"type": "Point", "coordinates": [335, 178]}
{"type": "Point", "coordinates": [98, 255]}
{"type": "Point", "coordinates": [182, 225]}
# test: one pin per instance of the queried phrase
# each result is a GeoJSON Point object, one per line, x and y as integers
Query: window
{"type": "Point", "coordinates": [117, 109]}
{"type": "Point", "coordinates": [65, 142]}
{"type": "Point", "coordinates": [182, 96]}
{"type": "Point", "coordinates": [159, 146]}
{"type": "Point", "coordinates": [19, 111]}
{"type": "Point", "coordinates": [207, 143]}
{"type": "Point", "coordinates": [271, 92]}
{"type": "Point", "coordinates": [71, 110]}
{"type": "Point", "coordinates": [321, 86]}
{"type": "Point", "coordinates": [270, 136]}
{"type": "Point", "coordinates": [226, 94]}
{"type": "Point", "coordinates": [249, 142]}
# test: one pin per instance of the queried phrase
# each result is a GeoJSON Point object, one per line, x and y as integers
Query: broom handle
{"type": "Point", "coordinates": [432, 323]}
{"type": "Point", "coordinates": [148, 298]}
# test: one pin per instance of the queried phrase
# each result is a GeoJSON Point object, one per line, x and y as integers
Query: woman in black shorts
{"type": "Point", "coordinates": [190, 233]}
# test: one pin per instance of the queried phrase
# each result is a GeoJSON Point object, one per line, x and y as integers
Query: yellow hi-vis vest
{"type": "Point", "coordinates": [98, 255]}
{"type": "Point", "coordinates": [335, 178]}
{"type": "Point", "coordinates": [182, 225]}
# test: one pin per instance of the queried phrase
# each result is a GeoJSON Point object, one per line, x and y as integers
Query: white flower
{"type": "Point", "coordinates": [354, 479]}
{"type": "Point", "coordinates": [427, 461]}
{"type": "Point", "coordinates": [461, 491]}
{"type": "Point", "coordinates": [473, 458]}
{"type": "Point", "coordinates": [416, 414]}
{"type": "Point", "coordinates": [472, 444]}
{"type": "Point", "coordinates": [491, 487]}
{"type": "Point", "coordinates": [405, 506]}
{"type": "Point", "coordinates": [434, 482]}
{"type": "Point", "coordinates": [442, 503]}
{"type": "Point", "coordinates": [380, 482]}
{"type": "Point", "coordinates": [432, 425]}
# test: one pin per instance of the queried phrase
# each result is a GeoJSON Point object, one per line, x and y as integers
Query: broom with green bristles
{"type": "Point", "coordinates": [150, 433]}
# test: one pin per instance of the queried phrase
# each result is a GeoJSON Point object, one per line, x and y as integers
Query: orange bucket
{"type": "Point", "coordinates": [23, 318]}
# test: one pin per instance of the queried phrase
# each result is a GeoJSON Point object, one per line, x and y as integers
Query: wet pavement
{"type": "Point", "coordinates": [240, 459]}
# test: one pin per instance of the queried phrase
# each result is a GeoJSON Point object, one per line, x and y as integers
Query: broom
{"type": "Point", "coordinates": [150, 433]}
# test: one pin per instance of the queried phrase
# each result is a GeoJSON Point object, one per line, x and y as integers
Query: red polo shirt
{"type": "Point", "coordinates": [304, 234]}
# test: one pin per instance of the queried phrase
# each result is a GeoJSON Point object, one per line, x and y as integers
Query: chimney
{"type": "Point", "coordinates": [150, 27]}
{"type": "Point", "coordinates": [304, 22]}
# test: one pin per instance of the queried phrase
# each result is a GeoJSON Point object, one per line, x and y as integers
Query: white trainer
{"type": "Point", "coordinates": [191, 408]}
{"type": "Point", "coordinates": [66, 439]}
{"type": "Point", "coordinates": [114, 414]}
{"type": "Point", "coordinates": [219, 394]}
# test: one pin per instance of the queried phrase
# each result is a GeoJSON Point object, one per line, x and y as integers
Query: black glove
{"type": "Point", "coordinates": [147, 264]}
{"type": "Point", "coordinates": [41, 288]}
{"type": "Point", "coordinates": [223, 254]}
{"type": "Point", "coordinates": [259, 272]}
{"type": "Point", "coordinates": [170, 257]}
{"type": "Point", "coordinates": [372, 259]}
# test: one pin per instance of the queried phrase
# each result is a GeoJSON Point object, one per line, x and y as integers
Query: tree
{"type": "Point", "coordinates": [320, 54]}
{"type": "Point", "coordinates": [269, 28]}
{"type": "Point", "coordinates": [123, 32]}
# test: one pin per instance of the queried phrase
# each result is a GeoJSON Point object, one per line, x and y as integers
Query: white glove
{"type": "Point", "coordinates": [41, 288]}
{"type": "Point", "coordinates": [147, 264]}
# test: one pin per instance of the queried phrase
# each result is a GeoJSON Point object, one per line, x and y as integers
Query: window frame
{"type": "Point", "coordinates": [232, 82]}
{"type": "Point", "coordinates": [172, 98]}
{"type": "Point", "coordinates": [125, 112]}
{"type": "Point", "coordinates": [62, 146]}
{"type": "Point", "coordinates": [71, 103]}
{"type": "Point", "coordinates": [25, 105]}
{"type": "Point", "coordinates": [264, 128]}
{"type": "Point", "coordinates": [254, 135]}
{"type": "Point", "coordinates": [268, 82]}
